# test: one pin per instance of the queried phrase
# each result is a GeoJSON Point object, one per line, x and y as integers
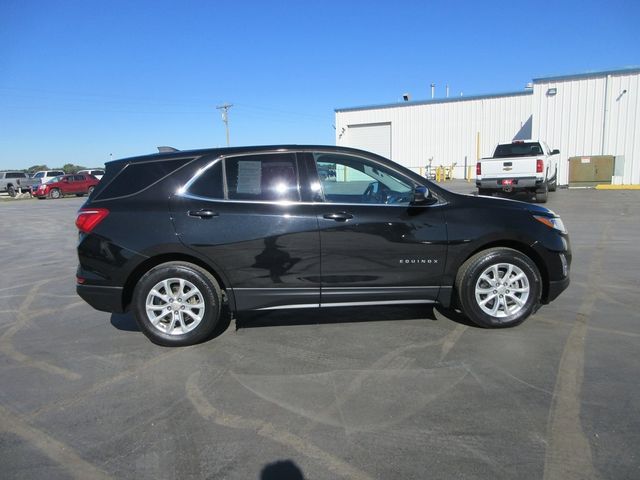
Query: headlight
{"type": "Point", "coordinates": [551, 222]}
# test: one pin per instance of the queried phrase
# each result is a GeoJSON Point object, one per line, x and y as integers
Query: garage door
{"type": "Point", "coordinates": [373, 137]}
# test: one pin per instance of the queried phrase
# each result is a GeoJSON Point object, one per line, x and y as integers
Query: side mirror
{"type": "Point", "coordinates": [555, 152]}
{"type": "Point", "coordinates": [420, 195]}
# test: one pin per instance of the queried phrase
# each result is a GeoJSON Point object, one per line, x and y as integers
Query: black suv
{"type": "Point", "coordinates": [173, 235]}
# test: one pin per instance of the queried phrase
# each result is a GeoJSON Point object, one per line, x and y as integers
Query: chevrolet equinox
{"type": "Point", "coordinates": [171, 236]}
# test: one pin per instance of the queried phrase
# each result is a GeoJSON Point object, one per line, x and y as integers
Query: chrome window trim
{"type": "Point", "coordinates": [183, 191]}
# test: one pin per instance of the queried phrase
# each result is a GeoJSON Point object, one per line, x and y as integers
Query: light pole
{"type": "Point", "coordinates": [224, 109]}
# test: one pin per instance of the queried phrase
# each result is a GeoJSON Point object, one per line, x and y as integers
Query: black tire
{"type": "Point", "coordinates": [208, 293]}
{"type": "Point", "coordinates": [11, 190]}
{"type": "Point", "coordinates": [468, 282]}
{"type": "Point", "coordinates": [79, 194]}
{"type": "Point", "coordinates": [553, 186]}
{"type": "Point", "coordinates": [542, 193]}
{"type": "Point", "coordinates": [55, 193]}
{"type": "Point", "coordinates": [484, 191]}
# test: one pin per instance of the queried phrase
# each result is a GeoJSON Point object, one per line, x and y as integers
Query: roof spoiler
{"type": "Point", "coordinates": [167, 150]}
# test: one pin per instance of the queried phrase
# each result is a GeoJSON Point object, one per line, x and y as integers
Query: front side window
{"type": "Point", "coordinates": [268, 177]}
{"type": "Point", "coordinates": [347, 179]}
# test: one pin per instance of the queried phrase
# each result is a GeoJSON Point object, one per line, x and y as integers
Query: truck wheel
{"type": "Point", "coordinates": [11, 190]}
{"type": "Point", "coordinates": [553, 186]}
{"type": "Point", "coordinates": [55, 193]}
{"type": "Point", "coordinates": [542, 193]}
{"type": "Point", "coordinates": [499, 287]}
{"type": "Point", "coordinates": [177, 304]}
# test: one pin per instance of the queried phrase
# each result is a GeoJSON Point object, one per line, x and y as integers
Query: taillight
{"type": "Point", "coordinates": [539, 166]}
{"type": "Point", "coordinates": [89, 218]}
{"type": "Point", "coordinates": [478, 168]}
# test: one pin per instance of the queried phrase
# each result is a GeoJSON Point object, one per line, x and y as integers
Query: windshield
{"type": "Point", "coordinates": [518, 150]}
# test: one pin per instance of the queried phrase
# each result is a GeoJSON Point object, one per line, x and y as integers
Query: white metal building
{"type": "Point", "coordinates": [582, 115]}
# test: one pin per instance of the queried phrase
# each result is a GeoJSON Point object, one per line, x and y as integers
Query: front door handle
{"type": "Point", "coordinates": [202, 213]}
{"type": "Point", "coordinates": [338, 216]}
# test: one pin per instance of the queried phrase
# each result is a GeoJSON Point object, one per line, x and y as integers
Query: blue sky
{"type": "Point", "coordinates": [80, 80]}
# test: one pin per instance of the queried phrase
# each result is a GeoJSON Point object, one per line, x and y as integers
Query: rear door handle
{"type": "Point", "coordinates": [338, 216]}
{"type": "Point", "coordinates": [202, 213]}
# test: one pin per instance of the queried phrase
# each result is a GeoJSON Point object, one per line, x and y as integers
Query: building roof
{"type": "Point", "coordinates": [557, 78]}
{"type": "Point", "coordinates": [435, 101]}
{"type": "Point", "coordinates": [578, 76]}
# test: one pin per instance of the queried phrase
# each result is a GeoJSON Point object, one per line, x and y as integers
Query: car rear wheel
{"type": "Point", "coordinates": [499, 287]}
{"type": "Point", "coordinates": [177, 304]}
{"type": "Point", "coordinates": [11, 190]}
{"type": "Point", "coordinates": [55, 193]}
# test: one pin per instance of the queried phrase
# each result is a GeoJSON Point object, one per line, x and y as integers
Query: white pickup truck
{"type": "Point", "coordinates": [522, 165]}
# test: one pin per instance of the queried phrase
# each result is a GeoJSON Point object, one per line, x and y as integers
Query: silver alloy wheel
{"type": "Point", "coordinates": [502, 290]}
{"type": "Point", "coordinates": [175, 306]}
{"type": "Point", "coordinates": [55, 193]}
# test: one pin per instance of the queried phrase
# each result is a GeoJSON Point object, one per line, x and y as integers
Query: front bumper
{"type": "Point", "coordinates": [556, 287]}
{"type": "Point", "coordinates": [105, 299]}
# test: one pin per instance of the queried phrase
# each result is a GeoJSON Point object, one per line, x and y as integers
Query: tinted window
{"type": "Point", "coordinates": [518, 150]}
{"type": "Point", "coordinates": [209, 184]}
{"type": "Point", "coordinates": [16, 175]}
{"type": "Point", "coordinates": [97, 172]}
{"type": "Point", "coordinates": [347, 179]}
{"type": "Point", "coordinates": [39, 175]}
{"type": "Point", "coordinates": [138, 176]}
{"type": "Point", "coordinates": [55, 173]}
{"type": "Point", "coordinates": [262, 177]}
{"type": "Point", "coordinates": [79, 178]}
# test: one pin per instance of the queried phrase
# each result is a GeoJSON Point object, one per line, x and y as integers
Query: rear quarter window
{"type": "Point", "coordinates": [135, 177]}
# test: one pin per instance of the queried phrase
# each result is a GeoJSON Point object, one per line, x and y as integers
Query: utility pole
{"type": "Point", "coordinates": [224, 109]}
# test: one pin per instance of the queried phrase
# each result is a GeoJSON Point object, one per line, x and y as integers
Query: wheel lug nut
{"type": "Point", "coordinates": [179, 299]}
{"type": "Point", "coordinates": [500, 296]}
{"type": "Point", "coordinates": [495, 291]}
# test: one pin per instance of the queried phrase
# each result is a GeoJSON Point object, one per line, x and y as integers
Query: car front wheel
{"type": "Point", "coordinates": [498, 287]}
{"type": "Point", "coordinates": [55, 193]}
{"type": "Point", "coordinates": [177, 304]}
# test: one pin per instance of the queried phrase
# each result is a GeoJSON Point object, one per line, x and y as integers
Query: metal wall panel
{"type": "Point", "coordinates": [590, 115]}
{"type": "Point", "coordinates": [444, 130]}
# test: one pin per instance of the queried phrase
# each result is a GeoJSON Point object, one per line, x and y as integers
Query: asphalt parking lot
{"type": "Point", "coordinates": [376, 393]}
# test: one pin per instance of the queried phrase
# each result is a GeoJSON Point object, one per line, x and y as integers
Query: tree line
{"type": "Point", "coordinates": [66, 168]}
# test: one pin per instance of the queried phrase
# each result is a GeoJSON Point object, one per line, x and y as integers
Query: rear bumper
{"type": "Point", "coordinates": [518, 183]}
{"type": "Point", "coordinates": [105, 299]}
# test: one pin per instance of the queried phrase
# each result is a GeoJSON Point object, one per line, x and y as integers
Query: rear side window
{"type": "Point", "coordinates": [209, 184]}
{"type": "Point", "coordinates": [16, 175]}
{"type": "Point", "coordinates": [268, 177]}
{"type": "Point", "coordinates": [135, 177]}
{"type": "Point", "coordinates": [518, 150]}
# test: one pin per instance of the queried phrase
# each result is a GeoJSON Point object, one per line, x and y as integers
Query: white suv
{"type": "Point", "coordinates": [45, 175]}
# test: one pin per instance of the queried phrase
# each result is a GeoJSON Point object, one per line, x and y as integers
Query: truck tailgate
{"type": "Point", "coordinates": [508, 167]}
